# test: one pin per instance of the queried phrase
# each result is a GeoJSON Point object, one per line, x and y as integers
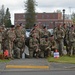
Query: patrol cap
{"type": "Point", "coordinates": [45, 36]}
{"type": "Point", "coordinates": [35, 25]}
{"type": "Point", "coordinates": [20, 24]}
{"type": "Point", "coordinates": [52, 35]}
{"type": "Point", "coordinates": [72, 26]}
{"type": "Point", "coordinates": [44, 27]}
{"type": "Point", "coordinates": [12, 26]}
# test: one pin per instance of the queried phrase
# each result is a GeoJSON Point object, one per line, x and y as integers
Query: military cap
{"type": "Point", "coordinates": [44, 27]}
{"type": "Point", "coordinates": [12, 26]}
{"type": "Point", "coordinates": [52, 35]}
{"type": "Point", "coordinates": [35, 25]}
{"type": "Point", "coordinates": [20, 24]}
{"type": "Point", "coordinates": [45, 36]}
{"type": "Point", "coordinates": [72, 26]}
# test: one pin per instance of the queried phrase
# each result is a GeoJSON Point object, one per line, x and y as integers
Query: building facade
{"type": "Point", "coordinates": [51, 20]}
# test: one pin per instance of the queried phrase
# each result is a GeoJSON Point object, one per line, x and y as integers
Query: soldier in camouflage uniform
{"type": "Point", "coordinates": [0, 39]}
{"type": "Point", "coordinates": [34, 46]}
{"type": "Point", "coordinates": [45, 46]}
{"type": "Point", "coordinates": [46, 32]}
{"type": "Point", "coordinates": [3, 37]}
{"type": "Point", "coordinates": [59, 36]}
{"type": "Point", "coordinates": [53, 43]}
{"type": "Point", "coordinates": [38, 31]}
{"type": "Point", "coordinates": [19, 47]}
{"type": "Point", "coordinates": [11, 37]}
{"type": "Point", "coordinates": [70, 38]}
{"type": "Point", "coordinates": [19, 31]}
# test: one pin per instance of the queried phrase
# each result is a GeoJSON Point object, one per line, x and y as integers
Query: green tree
{"type": "Point", "coordinates": [2, 14]}
{"type": "Point", "coordinates": [73, 17]}
{"type": "Point", "coordinates": [30, 13]}
{"type": "Point", "coordinates": [7, 20]}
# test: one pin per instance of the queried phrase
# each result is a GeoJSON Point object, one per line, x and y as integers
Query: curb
{"type": "Point", "coordinates": [26, 67]}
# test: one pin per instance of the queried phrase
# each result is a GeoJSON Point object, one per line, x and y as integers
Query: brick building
{"type": "Point", "coordinates": [49, 19]}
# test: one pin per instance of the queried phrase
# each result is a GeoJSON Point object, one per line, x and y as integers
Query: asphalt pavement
{"type": "Point", "coordinates": [39, 73]}
{"type": "Point", "coordinates": [34, 65]}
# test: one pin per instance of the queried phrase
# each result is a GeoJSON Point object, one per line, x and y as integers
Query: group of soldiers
{"type": "Point", "coordinates": [13, 40]}
{"type": "Point", "coordinates": [41, 42]}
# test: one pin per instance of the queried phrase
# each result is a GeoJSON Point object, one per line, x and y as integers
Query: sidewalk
{"type": "Point", "coordinates": [27, 65]}
{"type": "Point", "coordinates": [34, 65]}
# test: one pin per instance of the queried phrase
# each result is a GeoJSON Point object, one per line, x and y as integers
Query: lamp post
{"type": "Point", "coordinates": [53, 24]}
{"type": "Point", "coordinates": [63, 15]}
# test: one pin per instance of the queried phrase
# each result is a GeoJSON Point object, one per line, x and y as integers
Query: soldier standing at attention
{"type": "Point", "coordinates": [59, 36]}
{"type": "Point", "coordinates": [71, 41]}
{"type": "Point", "coordinates": [11, 37]}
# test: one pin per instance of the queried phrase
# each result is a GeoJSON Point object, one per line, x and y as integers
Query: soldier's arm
{"type": "Point", "coordinates": [63, 34]}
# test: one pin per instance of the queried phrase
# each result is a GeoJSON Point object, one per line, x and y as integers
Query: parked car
{"type": "Point", "coordinates": [51, 31]}
{"type": "Point", "coordinates": [27, 32]}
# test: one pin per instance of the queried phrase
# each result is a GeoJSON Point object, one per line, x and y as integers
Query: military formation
{"type": "Point", "coordinates": [41, 42]}
{"type": "Point", "coordinates": [13, 40]}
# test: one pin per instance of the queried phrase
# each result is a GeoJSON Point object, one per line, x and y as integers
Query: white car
{"type": "Point", "coordinates": [27, 32]}
{"type": "Point", "coordinates": [51, 31]}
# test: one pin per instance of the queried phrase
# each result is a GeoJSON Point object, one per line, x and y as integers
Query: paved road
{"type": "Point", "coordinates": [40, 73]}
{"type": "Point", "coordinates": [54, 68]}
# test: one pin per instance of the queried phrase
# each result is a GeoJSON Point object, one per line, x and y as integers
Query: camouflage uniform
{"type": "Point", "coordinates": [45, 46]}
{"type": "Point", "coordinates": [0, 39]}
{"type": "Point", "coordinates": [19, 47]}
{"type": "Point", "coordinates": [19, 33]}
{"type": "Point", "coordinates": [59, 36]}
{"type": "Point", "coordinates": [53, 44]}
{"type": "Point", "coordinates": [3, 38]}
{"type": "Point", "coordinates": [46, 32]}
{"type": "Point", "coordinates": [66, 33]}
{"type": "Point", "coordinates": [71, 41]}
{"type": "Point", "coordinates": [11, 37]}
{"type": "Point", "coordinates": [34, 47]}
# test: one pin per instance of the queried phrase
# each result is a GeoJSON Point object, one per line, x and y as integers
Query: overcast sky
{"type": "Point", "coordinates": [17, 6]}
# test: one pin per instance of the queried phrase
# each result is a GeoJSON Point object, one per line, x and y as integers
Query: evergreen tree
{"type": "Point", "coordinates": [7, 20]}
{"type": "Point", "coordinates": [30, 13]}
{"type": "Point", "coordinates": [2, 14]}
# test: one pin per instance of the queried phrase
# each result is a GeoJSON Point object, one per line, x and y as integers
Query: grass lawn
{"type": "Point", "coordinates": [63, 59]}
{"type": "Point", "coordinates": [4, 60]}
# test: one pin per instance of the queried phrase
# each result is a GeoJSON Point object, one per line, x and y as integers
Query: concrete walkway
{"type": "Point", "coordinates": [34, 65]}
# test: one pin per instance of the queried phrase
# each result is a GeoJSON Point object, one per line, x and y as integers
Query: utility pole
{"type": "Point", "coordinates": [63, 16]}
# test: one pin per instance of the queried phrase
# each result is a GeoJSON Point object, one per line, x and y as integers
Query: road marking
{"type": "Point", "coordinates": [26, 67]}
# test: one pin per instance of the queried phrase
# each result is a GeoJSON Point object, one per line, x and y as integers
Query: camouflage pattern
{"type": "Point", "coordinates": [11, 37]}
{"type": "Point", "coordinates": [45, 46]}
{"type": "Point", "coordinates": [19, 47]}
{"type": "Point", "coordinates": [20, 40]}
{"type": "Point", "coordinates": [53, 45]}
{"type": "Point", "coordinates": [59, 36]}
{"type": "Point", "coordinates": [0, 39]}
{"type": "Point", "coordinates": [46, 33]}
{"type": "Point", "coordinates": [34, 46]}
{"type": "Point", "coordinates": [70, 38]}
